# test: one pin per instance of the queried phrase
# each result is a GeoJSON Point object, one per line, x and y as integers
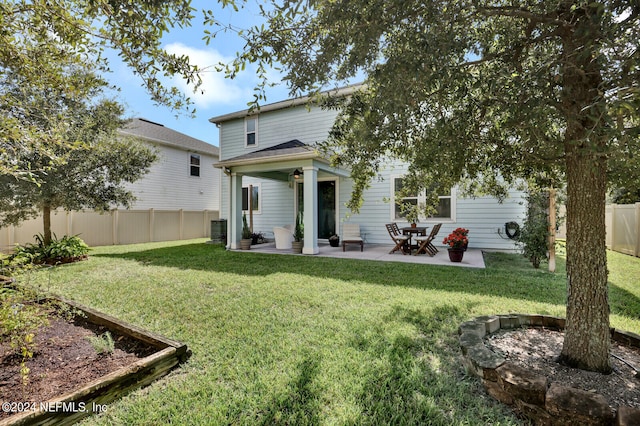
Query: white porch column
{"type": "Point", "coordinates": [234, 232]}
{"type": "Point", "coordinates": [310, 210]}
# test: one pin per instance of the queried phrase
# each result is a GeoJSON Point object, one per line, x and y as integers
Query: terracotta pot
{"type": "Point", "coordinates": [296, 246]}
{"type": "Point", "coordinates": [455, 255]}
{"type": "Point", "coordinates": [413, 225]}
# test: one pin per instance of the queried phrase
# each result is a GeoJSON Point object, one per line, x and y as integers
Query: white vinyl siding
{"type": "Point", "coordinates": [275, 127]}
{"type": "Point", "coordinates": [168, 187]}
{"type": "Point", "coordinates": [276, 204]}
{"type": "Point", "coordinates": [484, 216]}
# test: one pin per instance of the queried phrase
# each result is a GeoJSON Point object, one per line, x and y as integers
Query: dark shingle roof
{"type": "Point", "coordinates": [156, 132]}
{"type": "Point", "coordinates": [292, 147]}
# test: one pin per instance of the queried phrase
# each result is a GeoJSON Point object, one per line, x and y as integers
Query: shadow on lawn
{"type": "Point", "coordinates": [300, 405]}
{"type": "Point", "coordinates": [420, 380]}
{"type": "Point", "coordinates": [501, 278]}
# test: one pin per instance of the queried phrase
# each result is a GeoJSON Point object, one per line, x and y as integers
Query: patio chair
{"type": "Point", "coordinates": [425, 244]}
{"type": "Point", "coordinates": [351, 235]}
{"type": "Point", "coordinates": [283, 236]}
{"type": "Point", "coordinates": [401, 241]}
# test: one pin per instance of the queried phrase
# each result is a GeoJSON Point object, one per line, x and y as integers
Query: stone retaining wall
{"type": "Point", "coordinates": [531, 394]}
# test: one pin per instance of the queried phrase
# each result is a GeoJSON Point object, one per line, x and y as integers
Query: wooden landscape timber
{"type": "Point", "coordinates": [93, 397]}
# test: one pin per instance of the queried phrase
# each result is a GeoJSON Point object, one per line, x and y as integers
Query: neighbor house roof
{"type": "Point", "coordinates": [158, 133]}
{"type": "Point", "coordinates": [343, 91]}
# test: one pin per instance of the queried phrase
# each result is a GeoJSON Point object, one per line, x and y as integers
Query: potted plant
{"type": "Point", "coordinates": [257, 238]}
{"type": "Point", "coordinates": [464, 232]}
{"type": "Point", "coordinates": [412, 214]}
{"type": "Point", "coordinates": [298, 235]}
{"type": "Point", "coordinates": [457, 241]}
{"type": "Point", "coordinates": [245, 242]}
{"type": "Point", "coordinates": [334, 240]}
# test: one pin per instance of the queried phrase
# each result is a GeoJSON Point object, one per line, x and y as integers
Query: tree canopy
{"type": "Point", "coordinates": [67, 141]}
{"type": "Point", "coordinates": [39, 39]}
{"type": "Point", "coordinates": [548, 91]}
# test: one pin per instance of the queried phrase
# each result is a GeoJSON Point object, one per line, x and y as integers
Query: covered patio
{"type": "Point", "coordinates": [290, 163]}
{"type": "Point", "coordinates": [473, 258]}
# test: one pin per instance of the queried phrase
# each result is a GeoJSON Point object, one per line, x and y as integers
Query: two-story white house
{"type": "Point", "coordinates": [183, 177]}
{"type": "Point", "coordinates": [270, 152]}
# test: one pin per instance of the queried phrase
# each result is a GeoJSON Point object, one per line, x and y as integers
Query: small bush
{"type": "Point", "coordinates": [103, 344]}
{"type": "Point", "coordinates": [20, 318]}
{"type": "Point", "coordinates": [60, 250]}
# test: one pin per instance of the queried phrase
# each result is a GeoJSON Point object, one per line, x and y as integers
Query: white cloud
{"type": "Point", "coordinates": [215, 88]}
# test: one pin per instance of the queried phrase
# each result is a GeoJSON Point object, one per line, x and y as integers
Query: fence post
{"type": "Point", "coordinates": [613, 227]}
{"type": "Point", "coordinates": [69, 223]}
{"type": "Point", "coordinates": [181, 223]}
{"type": "Point", "coordinates": [114, 227]}
{"type": "Point", "coordinates": [637, 229]}
{"type": "Point", "coordinates": [11, 235]}
{"type": "Point", "coordinates": [152, 220]}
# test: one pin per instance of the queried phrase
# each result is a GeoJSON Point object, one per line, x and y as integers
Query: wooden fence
{"type": "Point", "coordinates": [623, 228]}
{"type": "Point", "coordinates": [117, 227]}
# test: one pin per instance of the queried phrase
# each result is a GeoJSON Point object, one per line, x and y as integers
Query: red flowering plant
{"type": "Point", "coordinates": [457, 239]}
{"type": "Point", "coordinates": [461, 231]}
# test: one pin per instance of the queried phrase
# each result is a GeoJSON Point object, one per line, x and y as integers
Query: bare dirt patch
{"type": "Point", "coordinates": [64, 360]}
{"type": "Point", "coordinates": [537, 349]}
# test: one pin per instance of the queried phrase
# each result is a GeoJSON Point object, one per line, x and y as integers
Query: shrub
{"type": "Point", "coordinates": [60, 250]}
{"type": "Point", "coordinates": [534, 234]}
{"type": "Point", "coordinates": [20, 318]}
{"type": "Point", "coordinates": [103, 344]}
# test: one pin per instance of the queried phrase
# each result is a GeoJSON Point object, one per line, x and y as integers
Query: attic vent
{"type": "Point", "coordinates": [151, 122]}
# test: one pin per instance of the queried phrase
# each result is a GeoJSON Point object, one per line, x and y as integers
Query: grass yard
{"type": "Point", "coordinates": [309, 340]}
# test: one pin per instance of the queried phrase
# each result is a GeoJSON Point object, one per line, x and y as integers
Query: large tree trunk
{"type": "Point", "coordinates": [587, 335]}
{"type": "Point", "coordinates": [46, 222]}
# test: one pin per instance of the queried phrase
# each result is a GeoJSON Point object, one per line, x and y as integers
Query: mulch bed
{"type": "Point", "coordinates": [64, 360]}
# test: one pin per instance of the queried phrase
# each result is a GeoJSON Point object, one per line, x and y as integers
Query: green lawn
{"type": "Point", "coordinates": [309, 340]}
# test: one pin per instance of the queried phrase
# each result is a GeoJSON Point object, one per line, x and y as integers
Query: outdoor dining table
{"type": "Point", "coordinates": [411, 230]}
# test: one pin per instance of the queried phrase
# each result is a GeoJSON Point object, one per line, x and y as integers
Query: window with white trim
{"type": "Point", "coordinates": [255, 198]}
{"type": "Point", "coordinates": [251, 131]}
{"type": "Point", "coordinates": [445, 210]}
{"type": "Point", "coordinates": [194, 165]}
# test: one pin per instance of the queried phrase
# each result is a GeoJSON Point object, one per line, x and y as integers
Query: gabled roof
{"type": "Point", "coordinates": [158, 133]}
{"type": "Point", "coordinates": [292, 149]}
{"type": "Point", "coordinates": [343, 91]}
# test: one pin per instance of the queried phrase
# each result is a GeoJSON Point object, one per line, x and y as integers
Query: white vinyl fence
{"type": "Point", "coordinates": [117, 227]}
{"type": "Point", "coordinates": [623, 228]}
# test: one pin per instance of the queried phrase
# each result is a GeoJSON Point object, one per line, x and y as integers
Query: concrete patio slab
{"type": "Point", "coordinates": [472, 258]}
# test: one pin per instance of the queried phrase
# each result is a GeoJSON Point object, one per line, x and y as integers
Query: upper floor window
{"type": "Point", "coordinates": [194, 165]}
{"type": "Point", "coordinates": [251, 131]}
{"type": "Point", "coordinates": [445, 210]}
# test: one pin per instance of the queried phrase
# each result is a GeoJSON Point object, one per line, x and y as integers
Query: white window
{"type": "Point", "coordinates": [194, 165]}
{"type": "Point", "coordinates": [251, 131]}
{"type": "Point", "coordinates": [445, 210]}
{"type": "Point", "coordinates": [255, 198]}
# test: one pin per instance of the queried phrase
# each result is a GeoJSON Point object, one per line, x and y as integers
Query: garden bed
{"type": "Point", "coordinates": [516, 356]}
{"type": "Point", "coordinates": [69, 379]}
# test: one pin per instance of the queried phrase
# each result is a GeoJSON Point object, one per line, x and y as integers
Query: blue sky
{"type": "Point", "coordinates": [220, 96]}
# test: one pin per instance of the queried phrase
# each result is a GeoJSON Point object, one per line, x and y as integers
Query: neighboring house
{"type": "Point", "coordinates": [270, 152]}
{"type": "Point", "coordinates": [177, 199]}
{"type": "Point", "coordinates": [183, 177]}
